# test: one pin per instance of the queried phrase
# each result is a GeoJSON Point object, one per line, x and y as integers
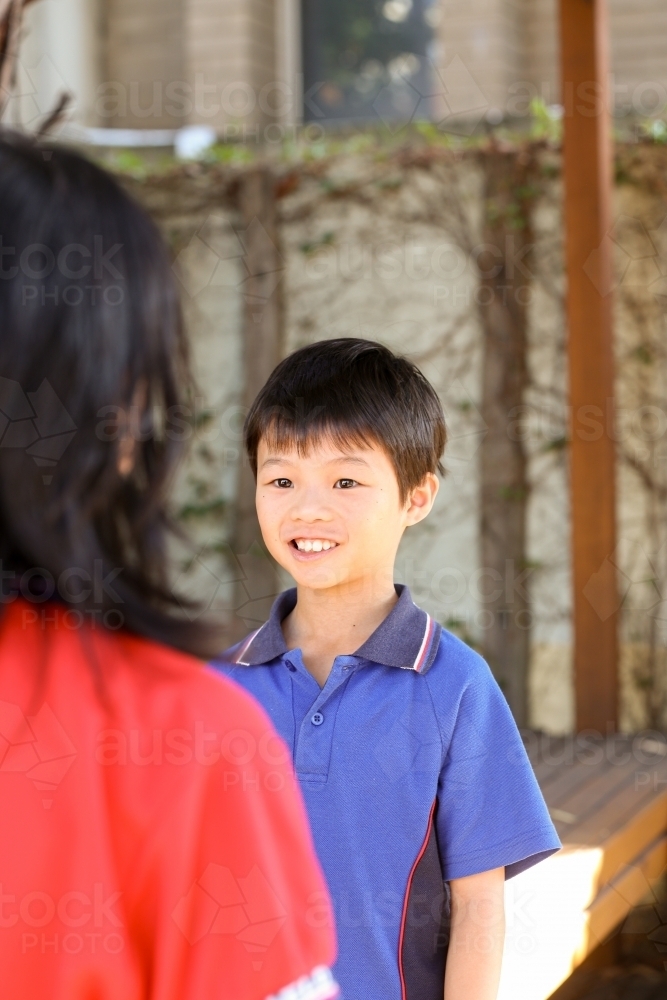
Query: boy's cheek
{"type": "Point", "coordinates": [271, 539]}
{"type": "Point", "coordinates": [266, 515]}
{"type": "Point", "coordinates": [270, 534]}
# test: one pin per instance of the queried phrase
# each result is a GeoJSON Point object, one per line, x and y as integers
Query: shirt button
{"type": "Point", "coordinates": [317, 719]}
{"type": "Point", "coordinates": [290, 666]}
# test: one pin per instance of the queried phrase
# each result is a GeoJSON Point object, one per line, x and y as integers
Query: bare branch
{"type": "Point", "coordinates": [9, 45]}
{"type": "Point", "coordinates": [55, 116]}
{"type": "Point", "coordinates": [11, 16]}
{"type": "Point", "coordinates": [649, 481]}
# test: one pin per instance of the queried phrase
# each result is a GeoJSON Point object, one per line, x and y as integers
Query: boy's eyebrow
{"type": "Point", "coordinates": [348, 458]}
{"type": "Point", "coordinates": [283, 460]}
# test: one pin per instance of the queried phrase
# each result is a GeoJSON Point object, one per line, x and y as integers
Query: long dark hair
{"type": "Point", "coordinates": [92, 350]}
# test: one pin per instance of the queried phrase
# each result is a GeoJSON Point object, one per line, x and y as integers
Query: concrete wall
{"type": "Point", "coordinates": [379, 266]}
{"type": "Point", "coordinates": [200, 227]}
{"type": "Point", "coordinates": [376, 250]}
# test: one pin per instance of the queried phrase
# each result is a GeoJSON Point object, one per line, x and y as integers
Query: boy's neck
{"type": "Point", "coordinates": [336, 622]}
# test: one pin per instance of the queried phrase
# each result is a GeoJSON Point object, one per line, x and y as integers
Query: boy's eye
{"type": "Point", "coordinates": [345, 484]}
{"type": "Point", "coordinates": [283, 484]}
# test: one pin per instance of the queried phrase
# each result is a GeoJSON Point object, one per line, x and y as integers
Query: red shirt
{"type": "Point", "coordinates": [153, 844]}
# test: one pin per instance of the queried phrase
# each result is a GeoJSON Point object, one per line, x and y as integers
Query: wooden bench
{"type": "Point", "coordinates": [608, 799]}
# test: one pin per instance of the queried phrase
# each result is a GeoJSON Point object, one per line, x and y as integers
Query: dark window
{"type": "Point", "coordinates": [368, 59]}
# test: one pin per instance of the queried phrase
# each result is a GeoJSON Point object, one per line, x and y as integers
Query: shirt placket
{"type": "Point", "coordinates": [314, 733]}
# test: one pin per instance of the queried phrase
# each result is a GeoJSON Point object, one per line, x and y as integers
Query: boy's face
{"type": "Point", "coordinates": [332, 517]}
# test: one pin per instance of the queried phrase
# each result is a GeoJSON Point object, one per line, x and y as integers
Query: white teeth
{"type": "Point", "coordinates": [314, 544]}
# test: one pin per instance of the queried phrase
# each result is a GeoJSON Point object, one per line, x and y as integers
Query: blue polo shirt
{"type": "Point", "coordinates": [413, 773]}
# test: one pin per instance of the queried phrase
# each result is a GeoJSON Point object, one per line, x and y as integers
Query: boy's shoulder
{"type": "Point", "coordinates": [457, 662]}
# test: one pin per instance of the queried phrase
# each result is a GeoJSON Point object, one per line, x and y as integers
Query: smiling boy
{"type": "Point", "coordinates": [419, 792]}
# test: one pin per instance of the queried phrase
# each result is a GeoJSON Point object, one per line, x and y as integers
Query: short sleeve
{"type": "Point", "coordinates": [249, 911]}
{"type": "Point", "coordinates": [491, 812]}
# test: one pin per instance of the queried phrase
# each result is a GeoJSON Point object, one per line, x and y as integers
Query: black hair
{"type": "Point", "coordinates": [352, 392]}
{"type": "Point", "coordinates": [92, 349]}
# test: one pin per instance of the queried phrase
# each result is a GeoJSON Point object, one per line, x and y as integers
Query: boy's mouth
{"type": "Point", "coordinates": [313, 544]}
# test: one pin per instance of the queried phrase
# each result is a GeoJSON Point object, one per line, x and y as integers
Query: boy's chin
{"type": "Point", "coordinates": [316, 580]}
{"type": "Point", "coordinates": [315, 577]}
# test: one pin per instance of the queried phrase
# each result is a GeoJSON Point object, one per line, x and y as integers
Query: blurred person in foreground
{"type": "Point", "coordinates": [153, 845]}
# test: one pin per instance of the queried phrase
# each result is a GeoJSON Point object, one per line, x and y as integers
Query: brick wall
{"type": "Point", "coordinates": [510, 43]}
{"type": "Point", "coordinates": [487, 36]}
{"type": "Point", "coordinates": [143, 54]}
{"type": "Point", "coordinates": [638, 52]}
{"type": "Point", "coordinates": [230, 59]}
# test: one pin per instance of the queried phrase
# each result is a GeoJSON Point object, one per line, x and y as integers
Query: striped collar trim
{"type": "Point", "coordinates": [424, 649]}
{"type": "Point", "coordinates": [408, 638]}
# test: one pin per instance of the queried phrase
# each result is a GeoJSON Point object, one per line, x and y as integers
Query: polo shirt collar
{"type": "Point", "coordinates": [407, 638]}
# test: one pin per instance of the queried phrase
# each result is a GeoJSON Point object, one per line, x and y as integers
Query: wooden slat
{"type": "Point", "coordinates": [576, 787]}
{"type": "Point", "coordinates": [600, 791]}
{"type": "Point", "coordinates": [626, 890]}
{"type": "Point", "coordinates": [612, 815]}
{"type": "Point", "coordinates": [552, 756]}
{"type": "Point", "coordinates": [568, 781]}
{"type": "Point", "coordinates": [630, 839]}
{"type": "Point", "coordinates": [619, 808]}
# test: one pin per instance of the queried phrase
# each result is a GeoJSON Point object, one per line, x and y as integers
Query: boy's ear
{"type": "Point", "coordinates": [422, 498]}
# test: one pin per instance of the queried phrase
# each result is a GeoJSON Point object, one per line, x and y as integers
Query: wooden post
{"type": "Point", "coordinates": [587, 171]}
{"type": "Point", "coordinates": [262, 325]}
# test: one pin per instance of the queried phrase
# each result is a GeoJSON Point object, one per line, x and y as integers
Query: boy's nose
{"type": "Point", "coordinates": [310, 506]}
{"type": "Point", "coordinates": [310, 514]}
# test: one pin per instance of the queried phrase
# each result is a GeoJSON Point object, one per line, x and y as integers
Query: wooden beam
{"type": "Point", "coordinates": [587, 170]}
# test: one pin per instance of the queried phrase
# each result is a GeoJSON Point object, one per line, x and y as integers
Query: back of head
{"type": "Point", "coordinates": [353, 392]}
{"type": "Point", "coordinates": [92, 350]}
